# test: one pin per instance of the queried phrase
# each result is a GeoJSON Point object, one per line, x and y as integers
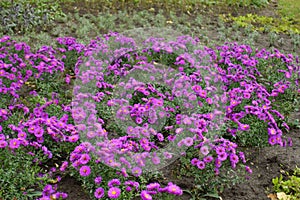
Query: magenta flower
{"type": "Point", "coordinates": [99, 193]}
{"type": "Point", "coordinates": [153, 186]}
{"type": "Point", "coordinates": [48, 190]}
{"type": "Point", "coordinates": [167, 155]}
{"type": "Point", "coordinates": [114, 193]}
{"type": "Point", "coordinates": [145, 195]}
{"type": "Point", "coordinates": [155, 160]}
{"type": "Point", "coordinates": [244, 127]}
{"type": "Point", "coordinates": [209, 101]}
{"type": "Point", "coordinates": [194, 161]}
{"type": "Point", "coordinates": [204, 150]}
{"type": "Point", "coordinates": [22, 135]}
{"type": "Point", "coordinates": [160, 137]}
{"type": "Point", "coordinates": [60, 195]}
{"type": "Point", "coordinates": [208, 159]}
{"type": "Point", "coordinates": [272, 131]}
{"type": "Point", "coordinates": [202, 93]}
{"type": "Point", "coordinates": [174, 189]}
{"type": "Point", "coordinates": [222, 156]}
{"type": "Point", "coordinates": [248, 169]}
{"type": "Point", "coordinates": [272, 140]}
{"type": "Point", "coordinates": [137, 171]}
{"type": "Point", "coordinates": [201, 164]}
{"type": "Point", "coordinates": [98, 180]}
{"type": "Point", "coordinates": [234, 158]}
{"type": "Point", "coordinates": [85, 170]}
{"type": "Point", "coordinates": [114, 182]}
{"type": "Point", "coordinates": [128, 188]}
{"type": "Point", "coordinates": [73, 138]}
{"type": "Point", "coordinates": [220, 150]}
{"type": "Point", "coordinates": [3, 143]}
{"type": "Point", "coordinates": [63, 166]}
{"type": "Point", "coordinates": [138, 120]}
{"type": "Point", "coordinates": [14, 144]}
{"type": "Point", "coordinates": [85, 158]}
{"type": "Point", "coordinates": [188, 141]}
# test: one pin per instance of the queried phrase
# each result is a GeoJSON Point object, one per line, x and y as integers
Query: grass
{"type": "Point", "coordinates": [290, 8]}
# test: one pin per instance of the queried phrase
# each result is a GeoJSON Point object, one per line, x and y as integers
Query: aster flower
{"type": "Point", "coordinates": [22, 134]}
{"type": "Point", "coordinates": [234, 158]}
{"type": "Point", "coordinates": [85, 170]}
{"type": "Point", "coordinates": [155, 160]}
{"type": "Point", "coordinates": [128, 189]}
{"type": "Point", "coordinates": [114, 193]}
{"type": "Point", "coordinates": [204, 150]}
{"type": "Point", "coordinates": [14, 144]}
{"type": "Point", "coordinates": [60, 195]}
{"type": "Point", "coordinates": [208, 159]}
{"type": "Point", "coordinates": [73, 138]}
{"type": "Point", "coordinates": [99, 193]}
{"type": "Point", "coordinates": [209, 101]}
{"type": "Point", "coordinates": [171, 137]}
{"type": "Point", "coordinates": [188, 141]}
{"type": "Point", "coordinates": [145, 195]}
{"type": "Point", "coordinates": [244, 127]}
{"type": "Point", "coordinates": [174, 189]}
{"type": "Point", "coordinates": [202, 93]}
{"type": "Point", "coordinates": [85, 158]}
{"type": "Point", "coordinates": [248, 169]}
{"type": "Point", "coordinates": [220, 150]}
{"type": "Point", "coordinates": [98, 180]}
{"type": "Point", "coordinates": [153, 186]}
{"type": "Point", "coordinates": [272, 140]}
{"type": "Point", "coordinates": [3, 143]}
{"type": "Point", "coordinates": [160, 137]}
{"type": "Point", "coordinates": [167, 155]}
{"type": "Point", "coordinates": [222, 156]}
{"type": "Point", "coordinates": [48, 190]}
{"type": "Point", "coordinates": [272, 131]}
{"type": "Point", "coordinates": [194, 161]}
{"type": "Point", "coordinates": [187, 121]}
{"type": "Point", "coordinates": [218, 163]}
{"type": "Point", "coordinates": [137, 171]}
{"type": "Point", "coordinates": [201, 164]}
{"type": "Point", "coordinates": [113, 182]}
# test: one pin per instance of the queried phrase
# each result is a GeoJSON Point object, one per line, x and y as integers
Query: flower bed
{"type": "Point", "coordinates": [71, 109]}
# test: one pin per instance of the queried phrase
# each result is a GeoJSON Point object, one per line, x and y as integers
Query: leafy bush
{"type": "Point", "coordinates": [290, 187]}
{"type": "Point", "coordinates": [243, 3]}
{"type": "Point", "coordinates": [23, 16]}
{"type": "Point", "coordinates": [264, 23]}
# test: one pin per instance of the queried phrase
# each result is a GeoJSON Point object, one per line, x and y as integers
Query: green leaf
{"type": "Point", "coordinates": [214, 195]}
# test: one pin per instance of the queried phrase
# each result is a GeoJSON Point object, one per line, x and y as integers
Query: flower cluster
{"type": "Point", "coordinates": [174, 109]}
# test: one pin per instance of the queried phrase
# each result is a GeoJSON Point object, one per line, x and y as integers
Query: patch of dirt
{"type": "Point", "coordinates": [73, 188]}
{"type": "Point", "coordinates": [267, 163]}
